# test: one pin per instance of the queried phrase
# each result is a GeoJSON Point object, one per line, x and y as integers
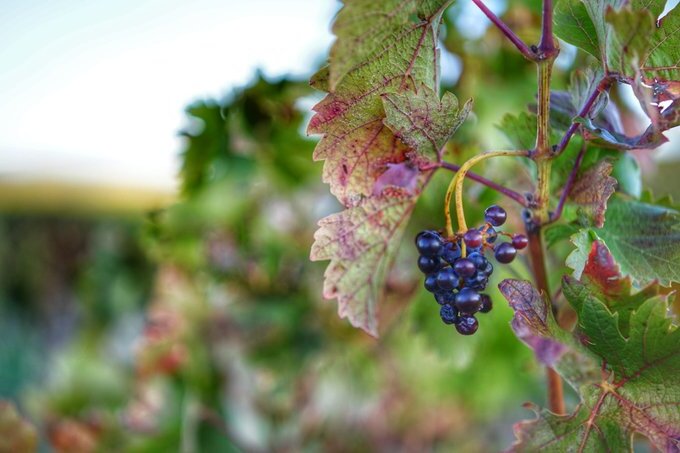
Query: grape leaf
{"type": "Point", "coordinates": [592, 190]}
{"type": "Point", "coordinates": [361, 27]}
{"type": "Point", "coordinates": [519, 129]}
{"type": "Point", "coordinates": [534, 324]}
{"type": "Point", "coordinates": [635, 47]}
{"type": "Point", "coordinates": [624, 36]}
{"type": "Point", "coordinates": [662, 62]}
{"type": "Point", "coordinates": [422, 121]}
{"type": "Point", "coordinates": [361, 243]}
{"type": "Point", "coordinates": [638, 391]}
{"type": "Point", "coordinates": [601, 277]}
{"type": "Point", "coordinates": [16, 434]}
{"type": "Point", "coordinates": [643, 238]}
{"type": "Point", "coordinates": [573, 24]}
{"type": "Point", "coordinates": [382, 124]}
{"type": "Point", "coordinates": [356, 145]}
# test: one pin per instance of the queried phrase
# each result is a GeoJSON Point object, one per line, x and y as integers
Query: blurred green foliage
{"type": "Point", "coordinates": [201, 327]}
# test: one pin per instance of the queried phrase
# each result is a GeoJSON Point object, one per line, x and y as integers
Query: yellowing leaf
{"type": "Point", "coordinates": [592, 190]}
{"type": "Point", "coordinates": [361, 243]}
{"type": "Point", "coordinates": [382, 124]}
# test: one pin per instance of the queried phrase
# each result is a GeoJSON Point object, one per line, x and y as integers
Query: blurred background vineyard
{"type": "Point", "coordinates": [191, 320]}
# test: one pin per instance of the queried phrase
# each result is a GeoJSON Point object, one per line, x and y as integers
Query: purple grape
{"type": "Point", "coordinates": [495, 215]}
{"type": "Point", "coordinates": [428, 264]}
{"type": "Point", "coordinates": [431, 283]}
{"type": "Point", "coordinates": [429, 243]}
{"type": "Point", "coordinates": [448, 314]}
{"type": "Point", "coordinates": [505, 253]}
{"type": "Point", "coordinates": [467, 325]}
{"type": "Point", "coordinates": [451, 252]}
{"type": "Point", "coordinates": [520, 241]}
{"type": "Point", "coordinates": [478, 282]}
{"type": "Point", "coordinates": [477, 259]}
{"type": "Point", "coordinates": [473, 238]}
{"type": "Point", "coordinates": [467, 301]}
{"type": "Point", "coordinates": [465, 268]}
{"type": "Point", "coordinates": [447, 279]}
{"type": "Point", "coordinates": [486, 304]}
{"type": "Point", "coordinates": [444, 297]}
{"type": "Point", "coordinates": [488, 269]}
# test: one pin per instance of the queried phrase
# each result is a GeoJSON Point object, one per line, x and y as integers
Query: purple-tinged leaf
{"type": "Point", "coordinates": [402, 175]}
{"type": "Point", "coordinates": [535, 325]}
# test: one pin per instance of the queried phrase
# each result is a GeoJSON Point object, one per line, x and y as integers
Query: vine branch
{"type": "Point", "coordinates": [525, 50]}
{"type": "Point", "coordinates": [513, 195]}
{"type": "Point", "coordinates": [543, 156]}
{"type": "Point", "coordinates": [570, 182]}
{"type": "Point", "coordinates": [602, 86]}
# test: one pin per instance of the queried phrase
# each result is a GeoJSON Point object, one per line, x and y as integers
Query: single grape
{"type": "Point", "coordinates": [478, 282]}
{"type": "Point", "coordinates": [465, 268]}
{"type": "Point", "coordinates": [451, 252]}
{"type": "Point", "coordinates": [431, 283]}
{"type": "Point", "coordinates": [495, 215]}
{"type": "Point", "coordinates": [477, 259]}
{"type": "Point", "coordinates": [486, 304]}
{"type": "Point", "coordinates": [447, 279]}
{"type": "Point", "coordinates": [488, 269]}
{"type": "Point", "coordinates": [467, 301]}
{"type": "Point", "coordinates": [444, 297]}
{"type": "Point", "coordinates": [429, 243]}
{"type": "Point", "coordinates": [491, 235]}
{"type": "Point", "coordinates": [467, 325]}
{"type": "Point", "coordinates": [505, 253]}
{"type": "Point", "coordinates": [473, 238]}
{"type": "Point", "coordinates": [448, 314]}
{"type": "Point", "coordinates": [520, 241]}
{"type": "Point", "coordinates": [428, 264]}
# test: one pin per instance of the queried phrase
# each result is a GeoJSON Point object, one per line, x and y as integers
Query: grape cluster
{"type": "Point", "coordinates": [457, 281]}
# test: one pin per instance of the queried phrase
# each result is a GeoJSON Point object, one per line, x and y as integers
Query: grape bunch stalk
{"type": "Point", "coordinates": [456, 270]}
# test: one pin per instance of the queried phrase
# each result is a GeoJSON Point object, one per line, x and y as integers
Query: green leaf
{"type": "Point", "coordinates": [519, 129]}
{"type": "Point", "coordinates": [644, 239]}
{"type": "Point", "coordinates": [601, 278]}
{"type": "Point", "coordinates": [628, 40]}
{"type": "Point", "coordinates": [638, 391]}
{"type": "Point", "coordinates": [625, 36]}
{"type": "Point", "coordinates": [573, 24]}
{"type": "Point", "coordinates": [362, 27]}
{"type": "Point", "coordinates": [663, 59]}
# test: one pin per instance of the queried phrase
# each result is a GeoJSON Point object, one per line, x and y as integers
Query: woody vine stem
{"type": "Point", "coordinates": [543, 56]}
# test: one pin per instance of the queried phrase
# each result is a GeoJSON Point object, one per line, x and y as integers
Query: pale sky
{"type": "Point", "coordinates": [94, 91]}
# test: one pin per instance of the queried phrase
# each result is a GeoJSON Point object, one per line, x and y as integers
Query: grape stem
{"type": "Point", "coordinates": [513, 195]}
{"type": "Point", "coordinates": [525, 50]}
{"type": "Point", "coordinates": [570, 182]}
{"type": "Point", "coordinates": [456, 187]}
{"type": "Point", "coordinates": [590, 102]}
